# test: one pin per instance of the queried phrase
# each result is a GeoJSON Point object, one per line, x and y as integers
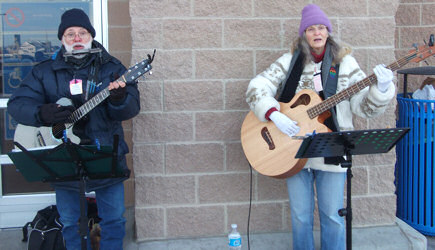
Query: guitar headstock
{"type": "Point", "coordinates": [419, 53]}
{"type": "Point", "coordinates": [139, 69]}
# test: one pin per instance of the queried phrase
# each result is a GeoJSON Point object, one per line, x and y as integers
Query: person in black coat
{"type": "Point", "coordinates": [73, 79]}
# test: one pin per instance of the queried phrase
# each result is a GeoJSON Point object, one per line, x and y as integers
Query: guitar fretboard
{"type": "Point", "coordinates": [80, 112]}
{"type": "Point", "coordinates": [88, 106]}
{"type": "Point", "coordinates": [357, 87]}
{"type": "Point", "coordinates": [131, 75]}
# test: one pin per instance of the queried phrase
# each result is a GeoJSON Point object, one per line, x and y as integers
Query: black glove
{"type": "Point", "coordinates": [52, 113]}
{"type": "Point", "coordinates": [117, 95]}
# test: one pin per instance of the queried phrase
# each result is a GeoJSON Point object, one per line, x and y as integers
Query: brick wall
{"type": "Point", "coordinates": [191, 178]}
{"type": "Point", "coordinates": [120, 47]}
{"type": "Point", "coordinates": [415, 21]}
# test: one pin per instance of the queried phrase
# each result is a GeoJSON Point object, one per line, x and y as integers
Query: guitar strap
{"type": "Point", "coordinates": [329, 82]}
{"type": "Point", "coordinates": [329, 76]}
{"type": "Point", "coordinates": [296, 68]}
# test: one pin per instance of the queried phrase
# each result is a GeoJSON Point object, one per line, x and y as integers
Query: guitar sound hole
{"type": "Point", "coordinates": [267, 138]}
{"type": "Point", "coordinates": [302, 100]}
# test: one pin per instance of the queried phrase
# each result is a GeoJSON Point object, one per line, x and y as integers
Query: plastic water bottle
{"type": "Point", "coordinates": [234, 238]}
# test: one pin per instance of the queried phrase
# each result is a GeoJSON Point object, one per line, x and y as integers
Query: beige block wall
{"type": "Point", "coordinates": [415, 23]}
{"type": "Point", "coordinates": [120, 47]}
{"type": "Point", "coordinates": [190, 173]}
{"type": "Point", "coordinates": [190, 176]}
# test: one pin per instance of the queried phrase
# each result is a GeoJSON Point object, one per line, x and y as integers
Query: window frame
{"type": "Point", "coordinates": [16, 210]}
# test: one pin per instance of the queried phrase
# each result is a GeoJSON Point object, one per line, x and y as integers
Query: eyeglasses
{"type": "Point", "coordinates": [314, 28]}
{"type": "Point", "coordinates": [82, 35]}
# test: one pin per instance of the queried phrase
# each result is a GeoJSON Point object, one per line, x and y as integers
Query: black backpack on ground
{"type": "Point", "coordinates": [45, 231]}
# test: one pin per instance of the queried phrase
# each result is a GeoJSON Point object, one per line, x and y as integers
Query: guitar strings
{"type": "Point", "coordinates": [135, 72]}
{"type": "Point", "coordinates": [346, 93]}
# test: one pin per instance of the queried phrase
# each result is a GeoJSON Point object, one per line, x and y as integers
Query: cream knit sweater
{"type": "Point", "coordinates": [367, 103]}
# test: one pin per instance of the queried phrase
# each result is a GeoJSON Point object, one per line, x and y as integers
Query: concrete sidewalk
{"type": "Point", "coordinates": [399, 236]}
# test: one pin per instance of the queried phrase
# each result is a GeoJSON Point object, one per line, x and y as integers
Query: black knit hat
{"type": "Point", "coordinates": [74, 17]}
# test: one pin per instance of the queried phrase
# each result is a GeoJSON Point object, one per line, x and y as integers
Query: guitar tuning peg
{"type": "Point", "coordinates": [151, 72]}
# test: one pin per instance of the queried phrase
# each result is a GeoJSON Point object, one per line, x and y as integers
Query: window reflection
{"type": "Point", "coordinates": [28, 36]}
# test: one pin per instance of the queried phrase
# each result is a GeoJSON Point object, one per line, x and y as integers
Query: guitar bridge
{"type": "Point", "coordinates": [267, 138]}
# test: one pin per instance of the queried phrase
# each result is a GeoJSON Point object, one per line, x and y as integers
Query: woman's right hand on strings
{"type": "Point", "coordinates": [283, 123]}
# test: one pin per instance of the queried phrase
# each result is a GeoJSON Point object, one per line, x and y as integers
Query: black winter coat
{"type": "Point", "coordinates": [49, 81]}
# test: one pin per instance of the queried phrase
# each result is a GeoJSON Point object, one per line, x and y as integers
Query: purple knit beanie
{"type": "Point", "coordinates": [312, 15]}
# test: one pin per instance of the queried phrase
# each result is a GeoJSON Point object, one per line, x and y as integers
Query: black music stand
{"type": "Point", "coordinates": [70, 162]}
{"type": "Point", "coordinates": [348, 143]}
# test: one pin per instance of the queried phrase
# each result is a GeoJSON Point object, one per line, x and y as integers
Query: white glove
{"type": "Point", "coordinates": [384, 76]}
{"type": "Point", "coordinates": [283, 123]}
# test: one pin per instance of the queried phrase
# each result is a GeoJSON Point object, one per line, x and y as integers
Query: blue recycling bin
{"type": "Point", "coordinates": [415, 182]}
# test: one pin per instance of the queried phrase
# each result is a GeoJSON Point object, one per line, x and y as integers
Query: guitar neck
{"type": "Point", "coordinates": [132, 74]}
{"type": "Point", "coordinates": [88, 106]}
{"type": "Point", "coordinates": [352, 90]}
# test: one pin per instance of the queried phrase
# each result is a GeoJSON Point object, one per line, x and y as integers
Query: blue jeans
{"type": "Point", "coordinates": [110, 203]}
{"type": "Point", "coordinates": [330, 196]}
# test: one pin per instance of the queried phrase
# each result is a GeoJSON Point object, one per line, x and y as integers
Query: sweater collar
{"type": "Point", "coordinates": [318, 58]}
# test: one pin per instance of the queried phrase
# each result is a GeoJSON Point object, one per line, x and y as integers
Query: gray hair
{"type": "Point", "coordinates": [302, 45]}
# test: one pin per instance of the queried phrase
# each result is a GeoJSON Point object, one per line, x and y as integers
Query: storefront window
{"type": "Point", "coordinates": [29, 36]}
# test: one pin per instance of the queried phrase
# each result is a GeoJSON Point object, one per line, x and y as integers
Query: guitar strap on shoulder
{"type": "Point", "coordinates": [329, 82]}
{"type": "Point", "coordinates": [96, 65]}
{"type": "Point", "coordinates": [330, 89]}
{"type": "Point", "coordinates": [329, 76]}
{"type": "Point", "coordinates": [295, 70]}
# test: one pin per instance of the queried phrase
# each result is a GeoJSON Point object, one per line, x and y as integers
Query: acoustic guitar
{"type": "Point", "coordinates": [272, 153]}
{"type": "Point", "coordinates": [31, 137]}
